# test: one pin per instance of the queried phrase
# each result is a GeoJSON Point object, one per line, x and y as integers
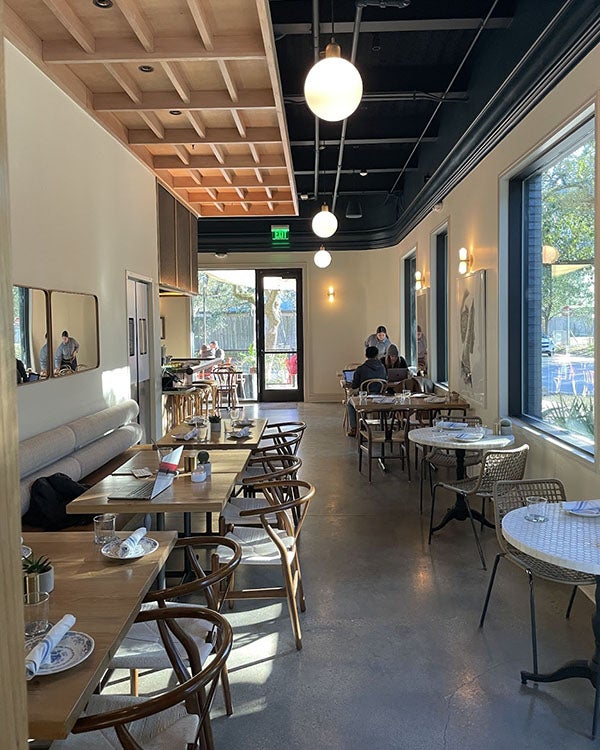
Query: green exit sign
{"type": "Point", "coordinates": [280, 233]}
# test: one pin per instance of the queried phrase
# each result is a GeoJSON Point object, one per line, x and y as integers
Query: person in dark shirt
{"type": "Point", "coordinates": [370, 368]}
{"type": "Point", "coordinates": [22, 376]}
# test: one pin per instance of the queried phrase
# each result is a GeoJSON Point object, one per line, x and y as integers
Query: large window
{"type": "Point", "coordinates": [441, 306]}
{"type": "Point", "coordinates": [551, 292]}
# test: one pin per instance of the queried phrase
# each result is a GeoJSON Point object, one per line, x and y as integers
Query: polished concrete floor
{"type": "Point", "coordinates": [393, 657]}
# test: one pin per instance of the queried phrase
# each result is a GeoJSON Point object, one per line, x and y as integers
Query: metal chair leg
{"type": "Point", "coordinates": [571, 600]}
{"type": "Point", "coordinates": [477, 542]}
{"type": "Point", "coordinates": [489, 589]}
{"type": "Point", "coordinates": [432, 508]}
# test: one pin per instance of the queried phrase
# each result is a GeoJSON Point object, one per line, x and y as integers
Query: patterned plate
{"type": "Point", "coordinates": [72, 650]}
{"type": "Point", "coordinates": [145, 547]}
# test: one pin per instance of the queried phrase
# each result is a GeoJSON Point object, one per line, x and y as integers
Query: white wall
{"type": "Point", "coordinates": [83, 211]}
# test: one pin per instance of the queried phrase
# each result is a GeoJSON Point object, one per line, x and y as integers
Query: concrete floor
{"type": "Point", "coordinates": [393, 657]}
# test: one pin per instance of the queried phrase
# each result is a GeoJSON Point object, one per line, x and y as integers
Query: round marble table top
{"type": "Point", "coordinates": [448, 439]}
{"type": "Point", "coordinates": [566, 540]}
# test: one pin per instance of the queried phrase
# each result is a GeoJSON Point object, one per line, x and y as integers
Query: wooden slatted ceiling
{"type": "Point", "coordinates": [227, 152]}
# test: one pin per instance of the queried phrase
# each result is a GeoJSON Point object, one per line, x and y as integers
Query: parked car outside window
{"type": "Point", "coordinates": [547, 345]}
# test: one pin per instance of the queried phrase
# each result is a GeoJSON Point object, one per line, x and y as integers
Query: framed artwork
{"type": "Point", "coordinates": [471, 357]}
{"type": "Point", "coordinates": [422, 330]}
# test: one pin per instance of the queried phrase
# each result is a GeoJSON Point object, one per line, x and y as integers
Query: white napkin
{"type": "Point", "coordinates": [127, 546]}
{"type": "Point", "coordinates": [589, 506]}
{"type": "Point", "coordinates": [41, 652]}
{"type": "Point", "coordinates": [191, 434]}
{"type": "Point", "coordinates": [241, 433]}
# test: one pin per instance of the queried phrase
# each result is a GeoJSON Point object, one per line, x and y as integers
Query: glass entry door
{"type": "Point", "coordinates": [279, 335]}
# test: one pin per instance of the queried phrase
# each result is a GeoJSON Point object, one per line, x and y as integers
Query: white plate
{"type": "Point", "coordinates": [243, 423]}
{"type": "Point", "coordinates": [145, 547]}
{"type": "Point", "coordinates": [195, 421]}
{"type": "Point", "coordinates": [591, 513]}
{"type": "Point", "coordinates": [469, 438]}
{"type": "Point", "coordinates": [418, 395]}
{"type": "Point", "coordinates": [452, 425]}
{"type": "Point", "coordinates": [72, 650]}
{"type": "Point", "coordinates": [25, 551]}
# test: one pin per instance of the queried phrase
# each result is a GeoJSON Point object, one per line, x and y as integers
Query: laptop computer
{"type": "Point", "coordinates": [131, 488]}
{"type": "Point", "coordinates": [348, 376]}
{"type": "Point", "coordinates": [396, 374]}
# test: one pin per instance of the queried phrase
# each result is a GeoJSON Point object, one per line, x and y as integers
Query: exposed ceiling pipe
{"type": "Point", "coordinates": [441, 101]}
{"type": "Point", "coordinates": [355, 33]}
{"type": "Point", "coordinates": [315, 36]}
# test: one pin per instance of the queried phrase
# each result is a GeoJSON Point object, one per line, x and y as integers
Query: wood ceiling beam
{"type": "Point", "coordinates": [137, 20]}
{"type": "Point", "coordinates": [248, 183]}
{"type": "Point", "coordinates": [228, 79]}
{"type": "Point", "coordinates": [254, 152]}
{"type": "Point", "coordinates": [73, 24]}
{"type": "Point", "coordinates": [259, 176]}
{"type": "Point", "coordinates": [195, 177]}
{"type": "Point", "coordinates": [239, 123]}
{"type": "Point", "coordinates": [153, 123]}
{"type": "Point", "coordinates": [271, 161]}
{"type": "Point", "coordinates": [183, 154]}
{"type": "Point", "coordinates": [213, 135]}
{"type": "Point", "coordinates": [179, 81]}
{"type": "Point", "coordinates": [241, 192]}
{"type": "Point", "coordinates": [217, 152]}
{"type": "Point", "coordinates": [210, 192]}
{"type": "Point", "coordinates": [227, 176]}
{"type": "Point", "coordinates": [280, 209]}
{"type": "Point", "coordinates": [198, 195]}
{"type": "Point", "coordinates": [201, 100]}
{"type": "Point", "coordinates": [196, 122]}
{"type": "Point", "coordinates": [172, 49]}
{"type": "Point", "coordinates": [271, 205]}
{"type": "Point", "coordinates": [201, 21]}
{"type": "Point", "coordinates": [126, 82]}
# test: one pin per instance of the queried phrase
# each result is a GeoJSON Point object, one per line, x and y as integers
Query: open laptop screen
{"type": "Point", "coordinates": [396, 374]}
{"type": "Point", "coordinates": [348, 375]}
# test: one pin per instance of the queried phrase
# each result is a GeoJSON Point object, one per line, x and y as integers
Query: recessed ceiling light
{"type": "Point", "coordinates": [363, 173]}
{"type": "Point", "coordinates": [146, 68]}
{"type": "Point", "coordinates": [220, 255]}
{"type": "Point", "coordinates": [103, 3]}
{"type": "Point", "coordinates": [174, 111]}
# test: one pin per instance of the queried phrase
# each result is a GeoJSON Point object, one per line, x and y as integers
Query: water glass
{"type": "Point", "coordinates": [36, 606]}
{"type": "Point", "coordinates": [536, 509]}
{"type": "Point", "coordinates": [234, 414]}
{"type": "Point", "coordinates": [406, 396]}
{"type": "Point", "coordinates": [437, 424]}
{"type": "Point", "coordinates": [104, 528]}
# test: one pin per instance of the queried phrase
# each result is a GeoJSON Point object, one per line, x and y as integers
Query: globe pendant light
{"type": "Point", "coordinates": [333, 87]}
{"type": "Point", "coordinates": [322, 257]}
{"type": "Point", "coordinates": [324, 224]}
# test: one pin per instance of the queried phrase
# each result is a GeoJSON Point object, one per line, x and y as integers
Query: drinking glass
{"type": "Point", "coordinates": [406, 396]}
{"type": "Point", "coordinates": [104, 528]}
{"type": "Point", "coordinates": [234, 414]}
{"type": "Point", "coordinates": [36, 606]}
{"type": "Point", "coordinates": [437, 424]}
{"type": "Point", "coordinates": [536, 509]}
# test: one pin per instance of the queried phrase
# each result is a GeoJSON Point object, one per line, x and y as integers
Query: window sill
{"type": "Point", "coordinates": [528, 428]}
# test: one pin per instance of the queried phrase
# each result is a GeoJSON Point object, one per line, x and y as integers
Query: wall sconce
{"type": "Point", "coordinates": [464, 261]}
{"type": "Point", "coordinates": [331, 294]}
{"type": "Point", "coordinates": [418, 280]}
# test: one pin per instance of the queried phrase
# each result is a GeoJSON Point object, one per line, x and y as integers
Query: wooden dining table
{"type": "Point", "coordinates": [104, 596]}
{"type": "Point", "coordinates": [215, 439]}
{"type": "Point", "coordinates": [222, 462]}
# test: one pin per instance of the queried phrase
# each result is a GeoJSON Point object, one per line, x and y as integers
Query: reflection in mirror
{"type": "Point", "coordinates": [74, 332]}
{"type": "Point", "coordinates": [30, 329]}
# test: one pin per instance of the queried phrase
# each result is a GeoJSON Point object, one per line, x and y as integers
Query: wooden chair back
{"type": "Point", "coordinates": [373, 385]}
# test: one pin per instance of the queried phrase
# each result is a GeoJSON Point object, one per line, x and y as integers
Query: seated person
{"type": "Point", "coordinates": [380, 340]}
{"type": "Point", "coordinates": [370, 368]}
{"type": "Point", "coordinates": [22, 376]}
{"type": "Point", "coordinates": [66, 353]}
{"type": "Point", "coordinates": [206, 353]}
{"type": "Point", "coordinates": [217, 352]}
{"type": "Point", "coordinates": [392, 359]}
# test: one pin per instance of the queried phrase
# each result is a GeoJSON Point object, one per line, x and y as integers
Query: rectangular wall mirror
{"type": "Point", "coordinates": [30, 326]}
{"type": "Point", "coordinates": [75, 315]}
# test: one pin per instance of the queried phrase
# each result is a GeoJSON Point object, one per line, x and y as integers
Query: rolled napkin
{"type": "Point", "coordinates": [585, 506]}
{"type": "Point", "coordinates": [127, 546]}
{"type": "Point", "coordinates": [191, 434]}
{"type": "Point", "coordinates": [241, 433]}
{"type": "Point", "coordinates": [41, 652]}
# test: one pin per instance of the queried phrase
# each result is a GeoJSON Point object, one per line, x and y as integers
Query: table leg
{"type": "Point", "coordinates": [459, 512]}
{"type": "Point", "coordinates": [588, 669]}
{"type": "Point", "coordinates": [160, 526]}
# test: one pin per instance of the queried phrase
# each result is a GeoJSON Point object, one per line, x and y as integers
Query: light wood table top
{"type": "Point", "coordinates": [216, 440]}
{"type": "Point", "coordinates": [183, 496]}
{"type": "Point", "coordinates": [414, 403]}
{"type": "Point", "coordinates": [105, 597]}
{"type": "Point", "coordinates": [222, 462]}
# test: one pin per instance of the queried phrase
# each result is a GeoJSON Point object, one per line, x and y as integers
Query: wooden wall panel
{"type": "Point", "coordinates": [166, 238]}
{"type": "Point", "coordinates": [182, 241]}
{"type": "Point", "coordinates": [194, 253]}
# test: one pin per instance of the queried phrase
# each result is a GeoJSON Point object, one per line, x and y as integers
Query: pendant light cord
{"type": "Point", "coordinates": [332, 32]}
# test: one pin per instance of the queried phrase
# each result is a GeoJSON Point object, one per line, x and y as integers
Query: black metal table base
{"type": "Point", "coordinates": [459, 512]}
{"type": "Point", "coordinates": [582, 668]}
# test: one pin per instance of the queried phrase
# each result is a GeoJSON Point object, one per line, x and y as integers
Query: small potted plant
{"type": "Point", "coordinates": [215, 422]}
{"type": "Point", "coordinates": [204, 460]}
{"type": "Point", "coordinates": [41, 567]}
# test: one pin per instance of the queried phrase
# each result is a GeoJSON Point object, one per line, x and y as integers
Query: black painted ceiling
{"type": "Point", "coordinates": [440, 90]}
